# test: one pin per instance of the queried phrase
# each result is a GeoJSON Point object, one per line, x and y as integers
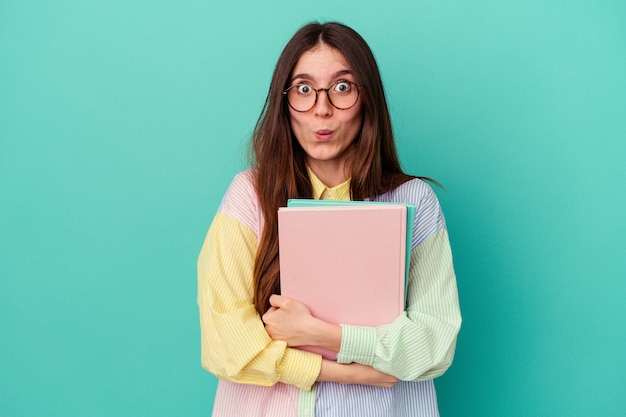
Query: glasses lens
{"type": "Point", "coordinates": [343, 94]}
{"type": "Point", "coordinates": [301, 97]}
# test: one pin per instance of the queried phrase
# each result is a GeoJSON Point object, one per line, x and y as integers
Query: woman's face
{"type": "Point", "coordinates": [325, 132]}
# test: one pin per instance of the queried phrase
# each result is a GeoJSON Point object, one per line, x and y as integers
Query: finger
{"type": "Point", "coordinates": [277, 300]}
{"type": "Point", "coordinates": [265, 316]}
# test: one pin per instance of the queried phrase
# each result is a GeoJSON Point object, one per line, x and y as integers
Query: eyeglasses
{"type": "Point", "coordinates": [342, 95]}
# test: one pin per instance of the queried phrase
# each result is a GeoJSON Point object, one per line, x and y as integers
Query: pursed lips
{"type": "Point", "coordinates": [324, 134]}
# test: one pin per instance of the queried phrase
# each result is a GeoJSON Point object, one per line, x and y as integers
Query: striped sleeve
{"type": "Point", "coordinates": [235, 345]}
{"type": "Point", "coordinates": [419, 344]}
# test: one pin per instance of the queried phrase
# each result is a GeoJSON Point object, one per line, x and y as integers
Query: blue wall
{"type": "Point", "coordinates": [122, 123]}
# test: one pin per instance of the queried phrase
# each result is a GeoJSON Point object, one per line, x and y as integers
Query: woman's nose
{"type": "Point", "coordinates": [323, 107]}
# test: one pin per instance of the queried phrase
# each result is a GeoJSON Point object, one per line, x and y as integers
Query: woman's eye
{"type": "Point", "coordinates": [342, 87]}
{"type": "Point", "coordinates": [304, 89]}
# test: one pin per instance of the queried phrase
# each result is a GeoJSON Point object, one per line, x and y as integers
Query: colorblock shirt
{"type": "Point", "coordinates": [260, 377]}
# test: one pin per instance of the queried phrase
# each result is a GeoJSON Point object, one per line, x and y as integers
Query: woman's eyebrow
{"type": "Point", "coordinates": [302, 76]}
{"type": "Point", "coordinates": [342, 72]}
{"type": "Point", "coordinates": [309, 77]}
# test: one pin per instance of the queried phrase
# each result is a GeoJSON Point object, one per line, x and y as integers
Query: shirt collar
{"type": "Point", "coordinates": [323, 192]}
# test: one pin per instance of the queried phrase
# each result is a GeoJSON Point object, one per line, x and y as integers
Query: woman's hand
{"type": "Point", "coordinates": [354, 373]}
{"type": "Point", "coordinates": [291, 321]}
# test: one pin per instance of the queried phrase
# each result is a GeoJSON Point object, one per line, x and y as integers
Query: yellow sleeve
{"type": "Point", "coordinates": [235, 345]}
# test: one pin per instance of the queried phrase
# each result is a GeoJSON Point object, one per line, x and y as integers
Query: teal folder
{"type": "Point", "coordinates": [410, 221]}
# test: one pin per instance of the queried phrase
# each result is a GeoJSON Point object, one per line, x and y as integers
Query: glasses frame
{"type": "Point", "coordinates": [317, 94]}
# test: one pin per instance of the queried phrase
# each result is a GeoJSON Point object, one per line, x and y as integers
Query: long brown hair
{"type": "Point", "coordinates": [279, 159]}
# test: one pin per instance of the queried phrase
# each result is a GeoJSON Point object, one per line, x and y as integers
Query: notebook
{"type": "Point", "coordinates": [346, 262]}
{"type": "Point", "coordinates": [410, 222]}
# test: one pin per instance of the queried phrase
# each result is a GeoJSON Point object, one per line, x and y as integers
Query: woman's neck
{"type": "Point", "coordinates": [330, 174]}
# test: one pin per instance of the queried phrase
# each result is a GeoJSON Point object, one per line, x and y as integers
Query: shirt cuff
{"type": "Point", "coordinates": [358, 344]}
{"type": "Point", "coordinates": [300, 368]}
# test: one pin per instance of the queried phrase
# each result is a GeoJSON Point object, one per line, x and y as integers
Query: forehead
{"type": "Point", "coordinates": [321, 62]}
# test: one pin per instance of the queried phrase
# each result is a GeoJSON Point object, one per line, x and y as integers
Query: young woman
{"type": "Point", "coordinates": [324, 133]}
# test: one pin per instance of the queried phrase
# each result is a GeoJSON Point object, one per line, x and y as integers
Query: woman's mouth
{"type": "Point", "coordinates": [324, 134]}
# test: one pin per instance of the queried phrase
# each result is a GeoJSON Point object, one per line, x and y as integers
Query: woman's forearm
{"type": "Point", "coordinates": [325, 335]}
{"type": "Point", "coordinates": [354, 373]}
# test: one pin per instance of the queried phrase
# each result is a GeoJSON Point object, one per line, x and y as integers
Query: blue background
{"type": "Point", "coordinates": [123, 122]}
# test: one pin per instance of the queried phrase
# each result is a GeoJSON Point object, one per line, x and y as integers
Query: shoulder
{"type": "Point", "coordinates": [413, 191]}
{"type": "Point", "coordinates": [429, 217]}
{"type": "Point", "coordinates": [416, 191]}
{"type": "Point", "coordinates": [241, 201]}
{"type": "Point", "coordinates": [242, 182]}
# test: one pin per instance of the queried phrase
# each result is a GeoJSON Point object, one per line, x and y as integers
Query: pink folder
{"type": "Point", "coordinates": [346, 263]}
